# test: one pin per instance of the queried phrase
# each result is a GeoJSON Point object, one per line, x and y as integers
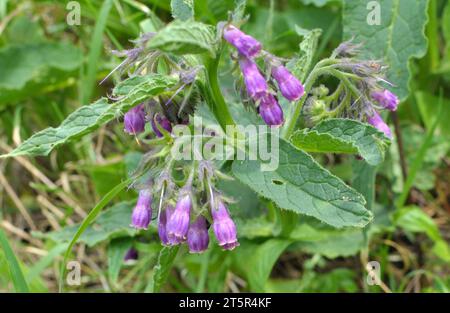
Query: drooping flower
{"type": "Point", "coordinates": [270, 110]}
{"type": "Point", "coordinates": [255, 82]}
{"type": "Point", "coordinates": [163, 122]}
{"type": "Point", "coordinates": [290, 87]}
{"type": "Point", "coordinates": [142, 213]}
{"type": "Point", "coordinates": [224, 227]}
{"type": "Point", "coordinates": [245, 44]}
{"type": "Point", "coordinates": [376, 121]}
{"type": "Point", "coordinates": [197, 237]}
{"type": "Point", "coordinates": [386, 99]}
{"type": "Point", "coordinates": [134, 120]}
{"type": "Point", "coordinates": [131, 255]}
{"type": "Point", "coordinates": [162, 225]}
{"type": "Point", "coordinates": [178, 222]}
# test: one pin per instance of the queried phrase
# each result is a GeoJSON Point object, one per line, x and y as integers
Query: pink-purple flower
{"type": "Point", "coordinates": [162, 225]}
{"type": "Point", "coordinates": [134, 120]}
{"type": "Point", "coordinates": [197, 237]}
{"type": "Point", "coordinates": [224, 227]}
{"type": "Point", "coordinates": [163, 122]}
{"type": "Point", "coordinates": [142, 213]}
{"type": "Point", "coordinates": [376, 121]}
{"type": "Point", "coordinates": [245, 44]}
{"type": "Point", "coordinates": [290, 87]}
{"type": "Point", "coordinates": [178, 222]}
{"type": "Point", "coordinates": [255, 82]}
{"type": "Point", "coordinates": [386, 99]}
{"type": "Point", "coordinates": [270, 110]}
{"type": "Point", "coordinates": [131, 255]}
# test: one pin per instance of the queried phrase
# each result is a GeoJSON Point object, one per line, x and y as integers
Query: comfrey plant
{"type": "Point", "coordinates": [332, 106]}
{"type": "Point", "coordinates": [185, 214]}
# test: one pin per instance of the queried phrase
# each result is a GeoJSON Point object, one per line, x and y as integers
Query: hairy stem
{"type": "Point", "coordinates": [218, 106]}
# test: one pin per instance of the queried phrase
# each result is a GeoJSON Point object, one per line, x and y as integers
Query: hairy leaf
{"type": "Point", "coordinates": [259, 259]}
{"type": "Point", "coordinates": [182, 9]}
{"type": "Point", "coordinates": [301, 185]}
{"type": "Point", "coordinates": [162, 268]}
{"type": "Point", "coordinates": [21, 63]}
{"type": "Point", "coordinates": [398, 37]}
{"type": "Point", "coordinates": [114, 222]}
{"type": "Point", "coordinates": [117, 249]}
{"type": "Point", "coordinates": [301, 64]}
{"type": "Point", "coordinates": [185, 37]}
{"type": "Point", "coordinates": [90, 117]}
{"type": "Point", "coordinates": [15, 271]}
{"type": "Point", "coordinates": [343, 136]}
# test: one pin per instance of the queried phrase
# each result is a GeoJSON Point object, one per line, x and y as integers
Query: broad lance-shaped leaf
{"type": "Point", "coordinates": [301, 185]}
{"type": "Point", "coordinates": [301, 64]}
{"type": "Point", "coordinates": [111, 223]}
{"type": "Point", "coordinates": [398, 37]}
{"type": "Point", "coordinates": [162, 268]}
{"type": "Point", "coordinates": [343, 136]}
{"type": "Point", "coordinates": [90, 117]}
{"type": "Point", "coordinates": [185, 37]}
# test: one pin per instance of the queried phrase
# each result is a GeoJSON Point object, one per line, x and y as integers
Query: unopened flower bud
{"type": "Point", "coordinates": [134, 120]}
{"type": "Point", "coordinates": [162, 225]}
{"type": "Point", "coordinates": [270, 110]}
{"type": "Point", "coordinates": [386, 99]}
{"type": "Point", "coordinates": [197, 237]}
{"type": "Point", "coordinates": [245, 44]}
{"type": "Point", "coordinates": [255, 83]}
{"type": "Point", "coordinates": [178, 222]}
{"type": "Point", "coordinates": [376, 121]}
{"type": "Point", "coordinates": [290, 87]}
{"type": "Point", "coordinates": [224, 227]}
{"type": "Point", "coordinates": [142, 213]}
{"type": "Point", "coordinates": [163, 122]}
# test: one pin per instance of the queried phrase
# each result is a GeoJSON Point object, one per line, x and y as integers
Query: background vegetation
{"type": "Point", "coordinates": [49, 68]}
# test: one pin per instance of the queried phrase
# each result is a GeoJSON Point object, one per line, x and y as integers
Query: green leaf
{"type": "Point", "coordinates": [46, 261]}
{"type": "Point", "coordinates": [398, 38]}
{"type": "Point", "coordinates": [114, 222]}
{"type": "Point", "coordinates": [301, 64]}
{"type": "Point", "coordinates": [90, 117]}
{"type": "Point", "coordinates": [182, 9]}
{"type": "Point", "coordinates": [95, 49]}
{"type": "Point", "coordinates": [314, 237]}
{"type": "Point", "coordinates": [413, 219]}
{"type": "Point", "coordinates": [258, 260]}
{"type": "Point", "coordinates": [162, 268]}
{"type": "Point", "coordinates": [429, 108]}
{"type": "Point", "coordinates": [420, 157]}
{"type": "Point", "coordinates": [117, 249]}
{"type": "Point", "coordinates": [14, 268]}
{"type": "Point", "coordinates": [30, 68]}
{"type": "Point", "coordinates": [185, 37]}
{"type": "Point", "coordinates": [301, 185]}
{"type": "Point", "coordinates": [22, 63]}
{"type": "Point", "coordinates": [89, 219]}
{"type": "Point", "coordinates": [343, 136]}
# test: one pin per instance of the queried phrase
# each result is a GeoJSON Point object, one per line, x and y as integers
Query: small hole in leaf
{"type": "Point", "coordinates": [277, 182]}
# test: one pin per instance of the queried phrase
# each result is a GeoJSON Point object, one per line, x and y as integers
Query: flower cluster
{"type": "Point", "coordinates": [136, 118]}
{"type": "Point", "coordinates": [256, 85]}
{"type": "Point", "coordinates": [184, 222]}
{"type": "Point", "coordinates": [359, 94]}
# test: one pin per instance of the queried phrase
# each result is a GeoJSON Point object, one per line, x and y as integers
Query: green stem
{"type": "Point", "coordinates": [290, 127]}
{"type": "Point", "coordinates": [217, 103]}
